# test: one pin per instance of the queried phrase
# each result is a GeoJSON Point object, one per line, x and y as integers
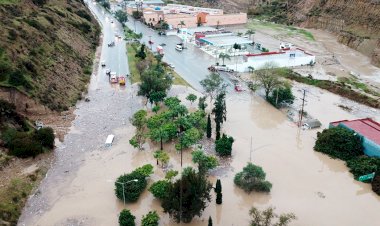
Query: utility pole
{"type": "Point", "coordinates": [250, 152]}
{"type": "Point", "coordinates": [303, 104]}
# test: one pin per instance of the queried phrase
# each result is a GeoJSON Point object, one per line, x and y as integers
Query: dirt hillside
{"type": "Point", "coordinates": [46, 49]}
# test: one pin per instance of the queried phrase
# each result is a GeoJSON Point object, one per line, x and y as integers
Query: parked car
{"type": "Point", "coordinates": [179, 47]}
{"type": "Point", "coordinates": [162, 33]}
{"type": "Point", "coordinates": [220, 68]}
{"type": "Point", "coordinates": [108, 71]}
{"type": "Point", "coordinates": [121, 80]}
{"type": "Point", "coordinates": [113, 78]}
{"type": "Point", "coordinates": [162, 44]}
{"type": "Point", "coordinates": [171, 65]}
{"type": "Point", "coordinates": [111, 44]}
{"type": "Point", "coordinates": [103, 63]}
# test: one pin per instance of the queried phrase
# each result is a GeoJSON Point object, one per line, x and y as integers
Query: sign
{"type": "Point", "coordinates": [367, 177]}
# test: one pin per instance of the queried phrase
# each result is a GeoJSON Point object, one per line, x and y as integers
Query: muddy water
{"type": "Point", "coordinates": [317, 189]}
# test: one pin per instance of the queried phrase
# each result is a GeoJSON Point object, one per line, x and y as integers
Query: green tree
{"type": "Point", "coordinates": [190, 137]}
{"type": "Point", "coordinates": [376, 183]}
{"type": "Point", "coordinates": [202, 103]}
{"type": "Point", "coordinates": [195, 195]}
{"type": "Point", "coordinates": [160, 189]}
{"type": "Point", "coordinates": [219, 198]}
{"type": "Point", "coordinates": [267, 78]}
{"type": "Point", "coordinates": [363, 165]}
{"type": "Point", "coordinates": [156, 109]}
{"type": "Point", "coordinates": [250, 32]}
{"type": "Point", "coordinates": [224, 56]}
{"type": "Point", "coordinates": [182, 23]}
{"type": "Point", "coordinates": [46, 137]}
{"type": "Point", "coordinates": [162, 157]}
{"type": "Point", "coordinates": [151, 219]}
{"type": "Point", "coordinates": [209, 129]}
{"type": "Point", "coordinates": [218, 186]}
{"type": "Point", "coordinates": [138, 120]}
{"type": "Point", "coordinates": [213, 84]}
{"type": "Point", "coordinates": [157, 97]}
{"type": "Point", "coordinates": [252, 178]}
{"type": "Point", "coordinates": [281, 95]}
{"type": "Point", "coordinates": [223, 146]}
{"type": "Point", "coordinates": [154, 83]}
{"type": "Point", "coordinates": [172, 102]}
{"type": "Point", "coordinates": [191, 97]}
{"type": "Point", "coordinates": [220, 112]}
{"type": "Point", "coordinates": [265, 217]}
{"type": "Point", "coordinates": [141, 54]}
{"type": "Point", "coordinates": [205, 162]}
{"type": "Point", "coordinates": [126, 218]}
{"type": "Point", "coordinates": [121, 16]}
{"type": "Point", "coordinates": [171, 174]}
{"type": "Point", "coordinates": [210, 221]}
{"type": "Point", "coordinates": [339, 143]}
{"type": "Point", "coordinates": [130, 186]}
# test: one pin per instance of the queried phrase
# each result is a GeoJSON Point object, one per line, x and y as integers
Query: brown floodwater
{"type": "Point", "coordinates": [319, 190]}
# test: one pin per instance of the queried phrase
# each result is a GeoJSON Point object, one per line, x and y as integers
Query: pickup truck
{"type": "Point", "coordinates": [219, 68]}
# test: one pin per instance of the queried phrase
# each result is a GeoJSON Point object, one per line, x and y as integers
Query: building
{"type": "Point", "coordinates": [178, 16]}
{"type": "Point", "coordinates": [133, 5]}
{"type": "Point", "coordinates": [289, 57]}
{"type": "Point", "coordinates": [368, 129]}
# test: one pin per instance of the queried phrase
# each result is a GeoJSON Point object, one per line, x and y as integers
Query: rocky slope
{"type": "Point", "coordinates": [356, 22]}
{"type": "Point", "coordinates": [46, 50]}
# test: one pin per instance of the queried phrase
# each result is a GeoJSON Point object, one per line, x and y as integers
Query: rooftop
{"type": "Point", "coordinates": [366, 127]}
{"type": "Point", "coordinates": [225, 40]}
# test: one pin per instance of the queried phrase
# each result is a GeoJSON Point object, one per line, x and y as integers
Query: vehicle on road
{"type": "Point", "coordinates": [179, 47]}
{"type": "Point", "coordinates": [121, 80]}
{"type": "Point", "coordinates": [171, 65]}
{"type": "Point", "coordinates": [160, 50]}
{"type": "Point", "coordinates": [108, 71]}
{"type": "Point", "coordinates": [161, 33]}
{"type": "Point", "coordinates": [117, 35]}
{"type": "Point", "coordinates": [162, 44]}
{"type": "Point", "coordinates": [220, 68]}
{"type": "Point", "coordinates": [112, 21]}
{"type": "Point", "coordinates": [113, 77]}
{"type": "Point", "coordinates": [238, 88]}
{"type": "Point", "coordinates": [111, 44]}
{"type": "Point", "coordinates": [103, 63]}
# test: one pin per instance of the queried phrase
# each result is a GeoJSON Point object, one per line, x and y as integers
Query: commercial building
{"type": "Point", "coordinates": [289, 57]}
{"type": "Point", "coordinates": [178, 16]}
{"type": "Point", "coordinates": [368, 129]}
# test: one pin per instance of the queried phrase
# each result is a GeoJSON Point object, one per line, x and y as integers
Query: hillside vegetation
{"type": "Point", "coordinates": [47, 49]}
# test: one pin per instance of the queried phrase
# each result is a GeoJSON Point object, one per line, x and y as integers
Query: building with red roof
{"type": "Point", "coordinates": [366, 128]}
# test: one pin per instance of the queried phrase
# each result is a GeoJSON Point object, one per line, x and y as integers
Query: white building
{"type": "Point", "coordinates": [284, 58]}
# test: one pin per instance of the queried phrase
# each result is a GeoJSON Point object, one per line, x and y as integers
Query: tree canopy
{"type": "Point", "coordinates": [265, 217]}
{"type": "Point", "coordinates": [213, 84]}
{"type": "Point", "coordinates": [126, 218]}
{"type": "Point", "coordinates": [151, 219]}
{"type": "Point", "coordinates": [252, 178]}
{"type": "Point", "coordinates": [223, 146]}
{"type": "Point", "coordinates": [268, 78]}
{"type": "Point", "coordinates": [339, 143]}
{"type": "Point", "coordinates": [195, 195]}
{"type": "Point", "coordinates": [205, 162]}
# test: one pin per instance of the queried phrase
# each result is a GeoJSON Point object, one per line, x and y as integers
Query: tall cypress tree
{"type": "Point", "coordinates": [218, 186]}
{"type": "Point", "coordinates": [210, 221]}
{"type": "Point", "coordinates": [220, 112]}
{"type": "Point", "coordinates": [219, 198]}
{"type": "Point", "coordinates": [208, 126]}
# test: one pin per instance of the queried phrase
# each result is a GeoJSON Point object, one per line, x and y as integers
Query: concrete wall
{"type": "Point", "coordinates": [226, 19]}
{"type": "Point", "coordinates": [175, 19]}
{"type": "Point", "coordinates": [152, 17]}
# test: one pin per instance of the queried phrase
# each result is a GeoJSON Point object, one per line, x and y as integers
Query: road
{"type": "Point", "coordinates": [191, 64]}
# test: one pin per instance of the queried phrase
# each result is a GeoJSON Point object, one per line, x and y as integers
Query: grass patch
{"type": "Point", "coordinates": [339, 88]}
{"type": "Point", "coordinates": [9, 1]}
{"type": "Point", "coordinates": [134, 73]}
{"type": "Point", "coordinates": [289, 30]}
{"type": "Point", "coordinates": [13, 198]}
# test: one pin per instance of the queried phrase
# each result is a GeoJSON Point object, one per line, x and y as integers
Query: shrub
{"type": "Point", "coordinates": [25, 147]}
{"type": "Point", "coordinates": [363, 165]}
{"type": "Point", "coordinates": [376, 183]}
{"type": "Point", "coordinates": [252, 178]}
{"type": "Point", "coordinates": [126, 218]}
{"type": "Point", "coordinates": [159, 189]}
{"type": "Point", "coordinates": [17, 78]}
{"type": "Point", "coordinates": [46, 137]}
{"type": "Point", "coordinates": [223, 146]}
{"type": "Point", "coordinates": [84, 15]}
{"type": "Point", "coordinates": [339, 143]}
{"type": "Point", "coordinates": [151, 219]}
{"type": "Point", "coordinates": [39, 2]}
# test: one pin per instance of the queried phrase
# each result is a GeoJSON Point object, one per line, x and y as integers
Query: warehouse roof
{"type": "Point", "coordinates": [366, 127]}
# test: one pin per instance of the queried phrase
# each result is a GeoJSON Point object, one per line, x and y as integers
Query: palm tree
{"type": "Point", "coordinates": [224, 56]}
{"type": "Point", "coordinates": [236, 47]}
{"type": "Point", "coordinates": [250, 32]}
{"type": "Point", "coordinates": [182, 23]}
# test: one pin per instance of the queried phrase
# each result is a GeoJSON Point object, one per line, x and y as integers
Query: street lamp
{"type": "Point", "coordinates": [122, 183]}
{"type": "Point", "coordinates": [251, 150]}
